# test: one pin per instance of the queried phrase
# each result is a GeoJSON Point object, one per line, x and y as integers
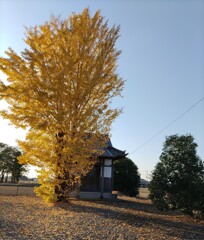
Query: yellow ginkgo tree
{"type": "Point", "coordinates": [60, 88]}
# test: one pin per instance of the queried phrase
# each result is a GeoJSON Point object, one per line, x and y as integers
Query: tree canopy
{"type": "Point", "coordinates": [126, 177]}
{"type": "Point", "coordinates": [178, 179]}
{"type": "Point", "coordinates": [60, 88]}
{"type": "Point", "coordinates": [9, 164]}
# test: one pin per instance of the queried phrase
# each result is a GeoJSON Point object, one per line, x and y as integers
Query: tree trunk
{"type": "Point", "coordinates": [6, 178]}
{"type": "Point", "coordinates": [66, 183]}
{"type": "Point", "coordinates": [60, 187]}
{"type": "Point", "coordinates": [2, 176]}
{"type": "Point", "coordinates": [12, 179]}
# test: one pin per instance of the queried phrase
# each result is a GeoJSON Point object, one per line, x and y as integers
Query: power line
{"type": "Point", "coordinates": [167, 126]}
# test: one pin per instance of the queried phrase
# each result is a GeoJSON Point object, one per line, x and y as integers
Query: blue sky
{"type": "Point", "coordinates": [162, 61]}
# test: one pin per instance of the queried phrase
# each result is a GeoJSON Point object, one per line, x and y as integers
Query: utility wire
{"type": "Point", "coordinates": [167, 126]}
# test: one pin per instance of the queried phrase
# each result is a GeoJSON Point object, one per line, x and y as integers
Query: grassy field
{"type": "Point", "coordinates": [29, 218]}
{"type": "Point", "coordinates": [143, 193]}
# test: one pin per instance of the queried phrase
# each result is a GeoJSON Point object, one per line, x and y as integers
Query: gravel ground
{"type": "Point", "coordinates": [29, 218]}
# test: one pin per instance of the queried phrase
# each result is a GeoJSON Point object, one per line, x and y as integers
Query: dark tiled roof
{"type": "Point", "coordinates": [112, 153]}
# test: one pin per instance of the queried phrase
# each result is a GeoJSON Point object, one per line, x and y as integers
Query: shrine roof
{"type": "Point", "coordinates": [113, 153]}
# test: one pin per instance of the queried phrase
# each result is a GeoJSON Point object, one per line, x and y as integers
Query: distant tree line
{"type": "Point", "coordinates": [9, 165]}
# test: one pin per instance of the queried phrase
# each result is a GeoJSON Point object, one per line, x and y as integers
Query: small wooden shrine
{"type": "Point", "coordinates": [99, 182]}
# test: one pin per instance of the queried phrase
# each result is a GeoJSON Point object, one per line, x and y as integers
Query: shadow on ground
{"type": "Point", "coordinates": [140, 215]}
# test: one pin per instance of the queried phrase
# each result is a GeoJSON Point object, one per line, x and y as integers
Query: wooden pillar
{"type": "Point", "coordinates": [102, 179]}
{"type": "Point", "coordinates": [112, 176]}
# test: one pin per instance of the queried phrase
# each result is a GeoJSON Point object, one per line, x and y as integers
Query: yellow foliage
{"type": "Point", "coordinates": [61, 88]}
